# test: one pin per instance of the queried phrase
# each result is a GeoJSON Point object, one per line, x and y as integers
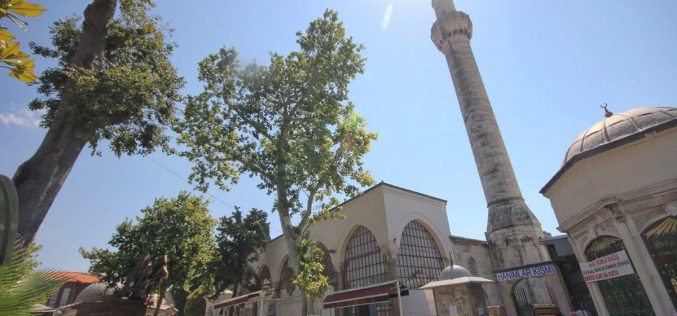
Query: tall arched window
{"type": "Point", "coordinates": [623, 295]}
{"type": "Point", "coordinates": [364, 265]}
{"type": "Point", "coordinates": [263, 276]}
{"type": "Point", "coordinates": [364, 262]}
{"type": "Point", "coordinates": [661, 240]}
{"type": "Point", "coordinates": [419, 261]}
{"type": "Point", "coordinates": [286, 276]}
{"type": "Point", "coordinates": [472, 266]}
{"type": "Point", "coordinates": [329, 270]}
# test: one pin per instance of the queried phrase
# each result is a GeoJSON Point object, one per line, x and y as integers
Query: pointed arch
{"type": "Point", "coordinates": [472, 266]}
{"type": "Point", "coordinates": [286, 277]}
{"type": "Point", "coordinates": [419, 260]}
{"type": "Point", "coordinates": [364, 263]}
{"type": "Point", "coordinates": [620, 294]}
{"type": "Point", "coordinates": [329, 270]}
{"type": "Point", "coordinates": [660, 239]}
{"type": "Point", "coordinates": [263, 276]}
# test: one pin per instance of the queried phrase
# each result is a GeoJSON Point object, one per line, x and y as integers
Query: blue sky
{"type": "Point", "coordinates": [547, 65]}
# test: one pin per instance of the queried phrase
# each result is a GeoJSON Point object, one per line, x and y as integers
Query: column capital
{"type": "Point", "coordinates": [453, 25]}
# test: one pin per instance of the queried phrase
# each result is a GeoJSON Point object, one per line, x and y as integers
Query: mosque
{"type": "Point", "coordinates": [615, 197]}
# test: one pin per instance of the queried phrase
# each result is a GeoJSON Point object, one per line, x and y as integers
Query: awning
{"type": "Point", "coordinates": [456, 281]}
{"type": "Point", "coordinates": [381, 292]}
{"type": "Point", "coordinates": [237, 300]}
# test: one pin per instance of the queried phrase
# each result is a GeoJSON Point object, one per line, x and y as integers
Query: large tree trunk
{"type": "Point", "coordinates": [39, 179]}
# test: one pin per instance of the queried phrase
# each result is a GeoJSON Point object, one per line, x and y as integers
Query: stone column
{"type": "Point", "coordinates": [512, 228]}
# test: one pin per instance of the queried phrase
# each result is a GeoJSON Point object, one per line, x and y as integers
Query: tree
{"type": "Point", "coordinates": [289, 123]}
{"type": "Point", "coordinates": [113, 82]}
{"type": "Point", "coordinates": [238, 240]}
{"type": "Point", "coordinates": [180, 228]}
{"type": "Point", "coordinates": [18, 62]}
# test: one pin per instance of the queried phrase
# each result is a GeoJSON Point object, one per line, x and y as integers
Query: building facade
{"type": "Point", "coordinates": [615, 195]}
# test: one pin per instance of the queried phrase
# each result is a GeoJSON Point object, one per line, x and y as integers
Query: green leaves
{"type": "Point", "coordinates": [238, 241]}
{"type": "Point", "coordinates": [21, 287]}
{"type": "Point", "coordinates": [290, 124]}
{"type": "Point", "coordinates": [311, 279]}
{"type": "Point", "coordinates": [180, 228]}
{"type": "Point", "coordinates": [127, 97]}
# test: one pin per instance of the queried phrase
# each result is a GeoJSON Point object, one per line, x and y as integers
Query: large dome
{"type": "Point", "coordinates": [619, 126]}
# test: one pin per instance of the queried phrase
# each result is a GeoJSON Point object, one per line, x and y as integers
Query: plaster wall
{"type": "Point", "coordinates": [617, 171]}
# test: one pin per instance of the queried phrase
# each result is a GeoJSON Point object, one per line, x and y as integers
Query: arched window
{"type": "Point", "coordinates": [364, 262]}
{"type": "Point", "coordinates": [263, 276]}
{"type": "Point", "coordinates": [286, 276]}
{"type": "Point", "coordinates": [661, 240]}
{"type": "Point", "coordinates": [329, 270]}
{"type": "Point", "coordinates": [419, 261]}
{"type": "Point", "coordinates": [623, 295]}
{"type": "Point", "coordinates": [472, 266]}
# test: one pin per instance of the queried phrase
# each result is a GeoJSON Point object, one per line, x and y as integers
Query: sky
{"type": "Point", "coordinates": [547, 66]}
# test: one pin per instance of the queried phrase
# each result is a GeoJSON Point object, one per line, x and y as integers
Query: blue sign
{"type": "Point", "coordinates": [524, 273]}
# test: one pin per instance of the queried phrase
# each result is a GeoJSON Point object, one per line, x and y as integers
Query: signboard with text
{"type": "Point", "coordinates": [523, 273]}
{"type": "Point", "coordinates": [610, 266]}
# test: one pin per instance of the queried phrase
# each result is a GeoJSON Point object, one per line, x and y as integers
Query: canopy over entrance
{"type": "Point", "coordinates": [242, 299]}
{"type": "Point", "coordinates": [376, 293]}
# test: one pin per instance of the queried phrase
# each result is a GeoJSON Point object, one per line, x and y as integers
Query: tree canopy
{"type": "Point", "coordinates": [180, 228]}
{"type": "Point", "coordinates": [289, 123]}
{"type": "Point", "coordinates": [239, 238]}
{"type": "Point", "coordinates": [113, 82]}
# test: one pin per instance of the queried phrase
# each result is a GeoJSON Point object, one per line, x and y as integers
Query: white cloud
{"type": "Point", "coordinates": [386, 17]}
{"type": "Point", "coordinates": [23, 118]}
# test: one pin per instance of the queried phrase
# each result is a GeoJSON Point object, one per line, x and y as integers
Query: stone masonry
{"type": "Point", "coordinates": [512, 229]}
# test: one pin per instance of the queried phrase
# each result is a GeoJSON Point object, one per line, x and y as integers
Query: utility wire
{"type": "Point", "coordinates": [231, 206]}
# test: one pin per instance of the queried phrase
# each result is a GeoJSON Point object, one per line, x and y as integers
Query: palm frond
{"type": "Point", "coordinates": [21, 287]}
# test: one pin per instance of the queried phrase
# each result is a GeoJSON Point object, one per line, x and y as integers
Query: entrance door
{"type": "Point", "coordinates": [522, 303]}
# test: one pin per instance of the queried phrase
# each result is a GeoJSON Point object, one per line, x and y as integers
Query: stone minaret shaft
{"type": "Point", "coordinates": [451, 34]}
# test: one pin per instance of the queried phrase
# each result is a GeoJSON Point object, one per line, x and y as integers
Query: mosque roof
{"type": "Point", "coordinates": [616, 130]}
{"type": "Point", "coordinates": [618, 126]}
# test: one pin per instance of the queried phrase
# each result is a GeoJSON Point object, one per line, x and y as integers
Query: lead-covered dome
{"type": "Point", "coordinates": [619, 126]}
{"type": "Point", "coordinates": [453, 272]}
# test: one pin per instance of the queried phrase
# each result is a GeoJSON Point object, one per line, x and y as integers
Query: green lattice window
{"type": "Point", "coordinates": [661, 240]}
{"type": "Point", "coordinates": [622, 295]}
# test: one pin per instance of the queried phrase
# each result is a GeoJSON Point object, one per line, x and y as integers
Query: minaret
{"type": "Point", "coordinates": [512, 229]}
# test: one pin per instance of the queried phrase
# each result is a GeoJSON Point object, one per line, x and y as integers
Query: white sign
{"type": "Point", "coordinates": [453, 310]}
{"type": "Point", "coordinates": [608, 267]}
{"type": "Point", "coordinates": [524, 273]}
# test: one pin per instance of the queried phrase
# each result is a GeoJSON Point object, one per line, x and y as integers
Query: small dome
{"type": "Point", "coordinates": [94, 291]}
{"type": "Point", "coordinates": [619, 126]}
{"type": "Point", "coordinates": [453, 272]}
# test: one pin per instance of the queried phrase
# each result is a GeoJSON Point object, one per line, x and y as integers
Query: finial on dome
{"type": "Point", "coordinates": [607, 113]}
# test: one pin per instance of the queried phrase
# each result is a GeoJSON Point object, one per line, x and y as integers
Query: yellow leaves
{"type": "Point", "coordinates": [5, 35]}
{"type": "Point", "coordinates": [15, 60]}
{"type": "Point", "coordinates": [24, 8]}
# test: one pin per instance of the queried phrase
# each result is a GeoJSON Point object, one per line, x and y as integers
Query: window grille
{"type": "Point", "coordinates": [286, 279]}
{"type": "Point", "coordinates": [472, 266]}
{"type": "Point", "coordinates": [419, 261]}
{"type": "Point", "coordinates": [661, 241]}
{"type": "Point", "coordinates": [364, 262]}
{"type": "Point", "coordinates": [329, 270]}
{"type": "Point", "coordinates": [623, 295]}
{"type": "Point", "coordinates": [64, 296]}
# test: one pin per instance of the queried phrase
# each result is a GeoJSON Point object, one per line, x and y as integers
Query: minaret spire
{"type": "Point", "coordinates": [512, 229]}
{"type": "Point", "coordinates": [443, 7]}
